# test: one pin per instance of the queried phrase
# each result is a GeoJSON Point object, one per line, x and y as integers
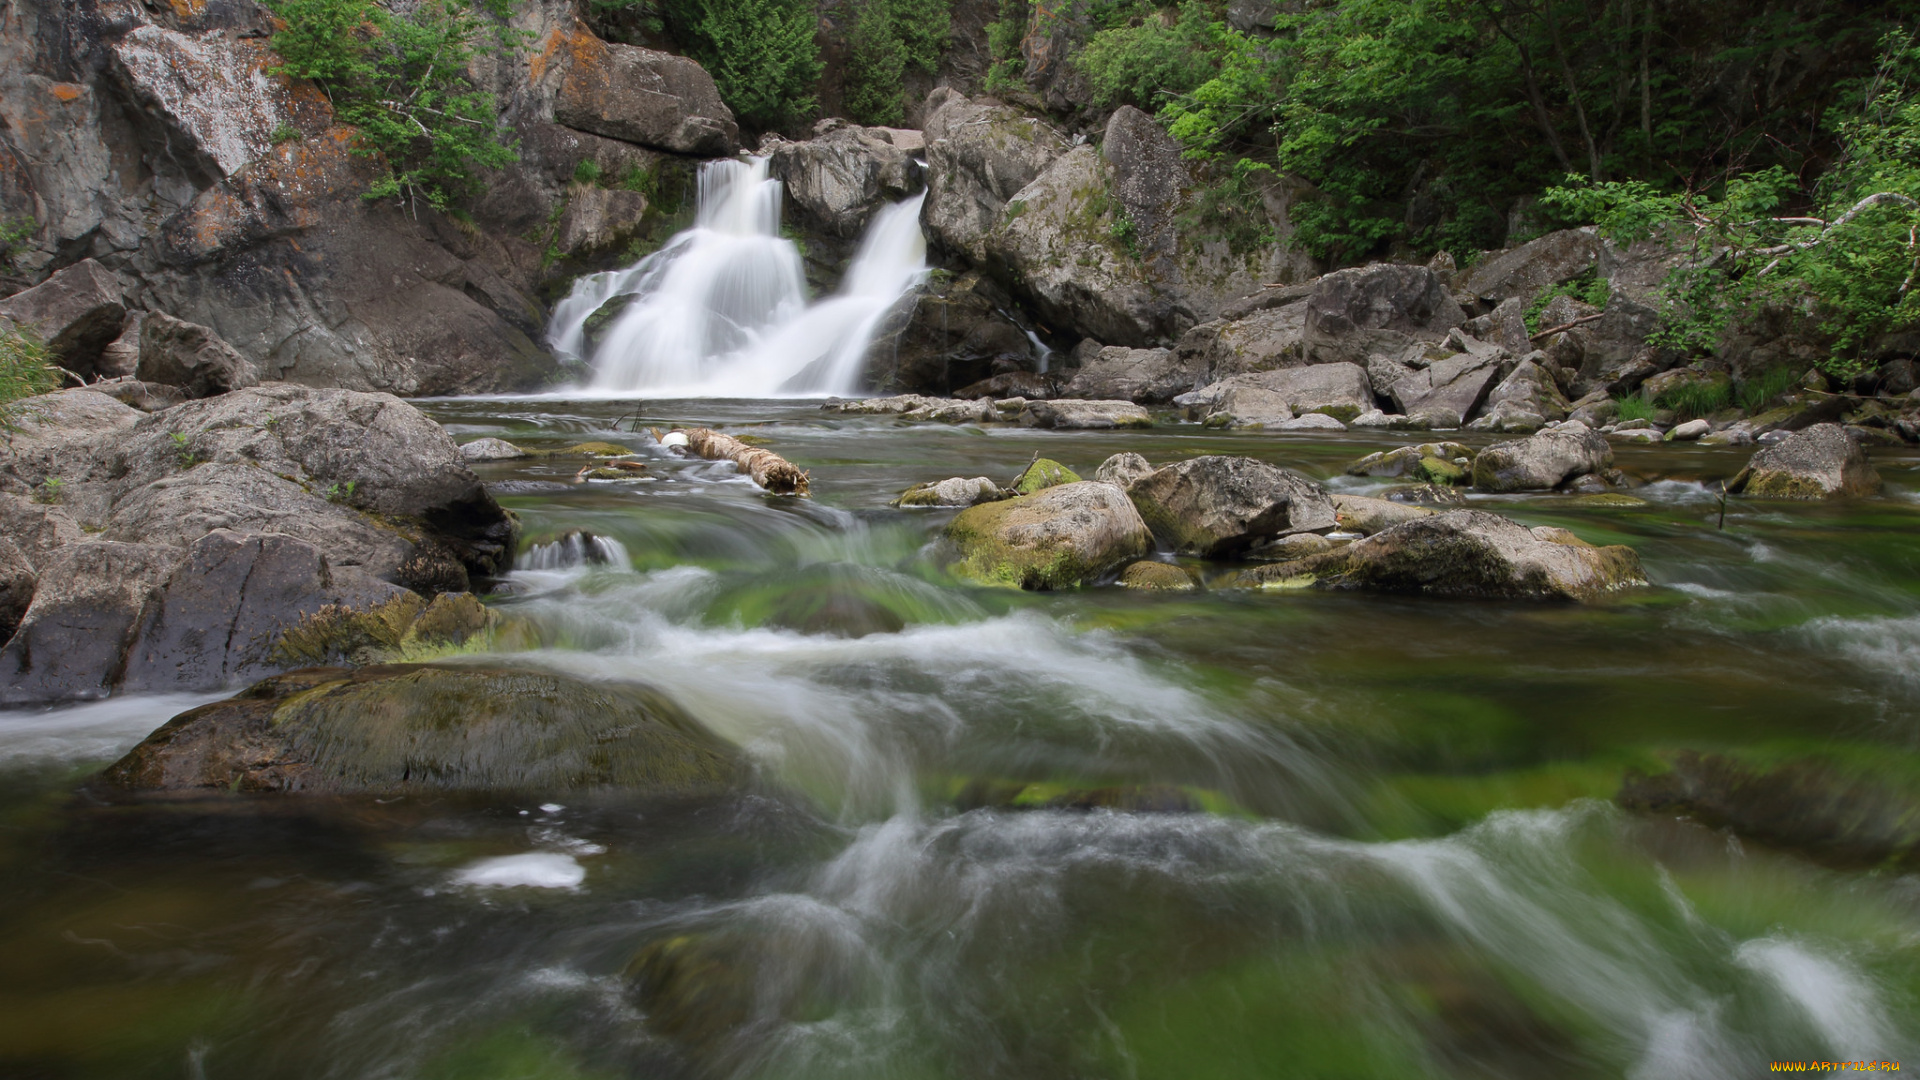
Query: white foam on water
{"type": "Point", "coordinates": [534, 870]}
{"type": "Point", "coordinates": [1885, 645]}
{"type": "Point", "coordinates": [1840, 1003]}
{"type": "Point", "coordinates": [94, 731]}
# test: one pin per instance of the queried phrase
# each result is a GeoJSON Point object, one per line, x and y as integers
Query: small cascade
{"type": "Point", "coordinates": [721, 310]}
{"type": "Point", "coordinates": [574, 550]}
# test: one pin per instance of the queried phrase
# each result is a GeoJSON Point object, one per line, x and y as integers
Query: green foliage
{"type": "Point", "coordinates": [1635, 407]}
{"type": "Point", "coordinates": [24, 368]}
{"type": "Point", "coordinates": [285, 133]}
{"type": "Point", "coordinates": [1004, 35]}
{"type": "Point", "coordinates": [1589, 288]}
{"type": "Point", "coordinates": [888, 37]}
{"type": "Point", "coordinates": [16, 234]}
{"type": "Point", "coordinates": [401, 81]}
{"type": "Point", "coordinates": [341, 493]}
{"type": "Point", "coordinates": [1756, 393]}
{"type": "Point", "coordinates": [51, 491]}
{"type": "Point", "coordinates": [1149, 60]}
{"type": "Point", "coordinates": [587, 172]}
{"type": "Point", "coordinates": [761, 54]}
{"type": "Point", "coordinates": [1852, 258]}
{"type": "Point", "coordinates": [183, 449]}
{"type": "Point", "coordinates": [1229, 208]}
{"type": "Point", "coordinates": [1696, 399]}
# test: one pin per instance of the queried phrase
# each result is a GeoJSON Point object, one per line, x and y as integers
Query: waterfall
{"type": "Point", "coordinates": [721, 310]}
{"type": "Point", "coordinates": [576, 549]}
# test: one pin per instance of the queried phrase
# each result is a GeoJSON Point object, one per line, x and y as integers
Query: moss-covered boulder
{"type": "Point", "coordinates": [1053, 539]}
{"type": "Point", "coordinates": [1149, 574]}
{"type": "Point", "coordinates": [417, 728]}
{"type": "Point", "coordinates": [1461, 553]}
{"type": "Point", "coordinates": [1044, 473]}
{"type": "Point", "coordinates": [1822, 462]}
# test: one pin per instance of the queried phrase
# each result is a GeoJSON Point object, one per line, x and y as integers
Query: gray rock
{"type": "Point", "coordinates": [17, 579]}
{"type": "Point", "coordinates": [1526, 271]}
{"type": "Point", "coordinates": [76, 313]}
{"type": "Point", "coordinates": [1149, 176]}
{"type": "Point", "coordinates": [598, 219]}
{"type": "Point", "coordinates": [643, 96]}
{"type": "Point", "coordinates": [1341, 391]}
{"type": "Point", "coordinates": [1012, 384]}
{"type": "Point", "coordinates": [951, 333]}
{"type": "Point", "coordinates": [1216, 505]}
{"type": "Point", "coordinates": [1089, 415]}
{"type": "Point", "coordinates": [89, 604]}
{"type": "Point", "coordinates": [1053, 539]}
{"type": "Point", "coordinates": [211, 90]}
{"type": "Point", "coordinates": [121, 357]}
{"type": "Point", "coordinates": [1544, 460]}
{"type": "Point", "coordinates": [1462, 553]}
{"type": "Point", "coordinates": [174, 352]}
{"type": "Point", "coordinates": [144, 396]}
{"type": "Point", "coordinates": [1449, 391]}
{"type": "Point", "coordinates": [1689, 431]}
{"type": "Point", "coordinates": [979, 155]}
{"type": "Point", "coordinates": [1249, 407]}
{"type": "Point", "coordinates": [491, 450]}
{"type": "Point", "coordinates": [1360, 514]}
{"type": "Point", "coordinates": [1310, 422]}
{"type": "Point", "coordinates": [224, 608]}
{"type": "Point", "coordinates": [37, 528]}
{"type": "Point", "coordinates": [1353, 315]}
{"type": "Point", "coordinates": [1151, 376]}
{"type": "Point", "coordinates": [1121, 470]}
{"type": "Point", "coordinates": [843, 174]}
{"type": "Point", "coordinates": [953, 491]}
{"type": "Point", "coordinates": [1820, 462]}
{"type": "Point", "coordinates": [1269, 338]}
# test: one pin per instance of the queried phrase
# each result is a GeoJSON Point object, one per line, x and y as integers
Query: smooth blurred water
{"type": "Point", "coordinates": [1098, 833]}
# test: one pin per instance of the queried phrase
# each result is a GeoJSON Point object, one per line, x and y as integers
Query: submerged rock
{"type": "Point", "coordinates": [1054, 539]}
{"type": "Point", "coordinates": [1216, 505]}
{"type": "Point", "coordinates": [1462, 553]}
{"type": "Point", "coordinates": [392, 730]}
{"type": "Point", "coordinates": [491, 450]}
{"type": "Point", "coordinates": [1821, 462]}
{"type": "Point", "coordinates": [1807, 805]}
{"type": "Point", "coordinates": [1545, 460]}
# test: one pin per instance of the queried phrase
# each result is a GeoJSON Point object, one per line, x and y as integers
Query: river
{"type": "Point", "coordinates": [1358, 836]}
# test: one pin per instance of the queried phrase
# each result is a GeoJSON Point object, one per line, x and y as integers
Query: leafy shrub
{"type": "Point", "coordinates": [888, 37]}
{"type": "Point", "coordinates": [1756, 393]}
{"type": "Point", "coordinates": [587, 172]}
{"type": "Point", "coordinates": [1696, 399]}
{"type": "Point", "coordinates": [15, 236]}
{"type": "Point", "coordinates": [1589, 288]}
{"type": "Point", "coordinates": [1146, 62]}
{"type": "Point", "coordinates": [24, 368]}
{"type": "Point", "coordinates": [1634, 407]}
{"type": "Point", "coordinates": [761, 54]}
{"type": "Point", "coordinates": [402, 82]}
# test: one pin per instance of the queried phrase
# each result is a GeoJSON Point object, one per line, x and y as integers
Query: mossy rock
{"type": "Point", "coordinates": [1042, 474]}
{"type": "Point", "coordinates": [1054, 539]}
{"type": "Point", "coordinates": [590, 450]}
{"type": "Point", "coordinates": [1149, 574]}
{"type": "Point", "coordinates": [406, 628]}
{"type": "Point", "coordinates": [1438, 470]}
{"type": "Point", "coordinates": [402, 728]}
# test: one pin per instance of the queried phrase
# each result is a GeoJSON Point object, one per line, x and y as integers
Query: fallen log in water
{"type": "Point", "coordinates": [768, 469]}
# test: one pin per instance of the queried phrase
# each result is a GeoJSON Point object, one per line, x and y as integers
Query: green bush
{"type": "Point", "coordinates": [16, 235]}
{"type": "Point", "coordinates": [1589, 288]}
{"type": "Point", "coordinates": [24, 369]}
{"type": "Point", "coordinates": [761, 54]}
{"type": "Point", "coordinates": [1756, 393]}
{"type": "Point", "coordinates": [888, 37]}
{"type": "Point", "coordinates": [587, 172]}
{"type": "Point", "coordinates": [402, 83]}
{"type": "Point", "coordinates": [1634, 407]}
{"type": "Point", "coordinates": [1696, 399]}
{"type": "Point", "coordinates": [1146, 62]}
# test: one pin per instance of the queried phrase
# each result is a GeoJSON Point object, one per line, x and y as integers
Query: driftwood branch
{"type": "Point", "coordinates": [1552, 330]}
{"type": "Point", "coordinates": [768, 469]}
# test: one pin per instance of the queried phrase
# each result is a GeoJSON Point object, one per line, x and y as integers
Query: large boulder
{"type": "Point", "coordinates": [76, 313]}
{"type": "Point", "coordinates": [1820, 462]}
{"type": "Point", "coordinates": [391, 730]}
{"type": "Point", "coordinates": [644, 96]}
{"type": "Point", "coordinates": [1352, 315]}
{"type": "Point", "coordinates": [174, 352]}
{"type": "Point", "coordinates": [1447, 391]}
{"type": "Point", "coordinates": [1054, 539]}
{"type": "Point", "coordinates": [1526, 401]}
{"type": "Point", "coordinates": [1151, 376]}
{"type": "Point", "coordinates": [87, 609]}
{"type": "Point", "coordinates": [1149, 177]}
{"type": "Point", "coordinates": [1341, 391]}
{"type": "Point", "coordinates": [1544, 460]}
{"type": "Point", "coordinates": [1526, 271]}
{"type": "Point", "coordinates": [1462, 553]}
{"type": "Point", "coordinates": [214, 90]}
{"type": "Point", "coordinates": [979, 155]}
{"type": "Point", "coordinates": [950, 333]}
{"type": "Point", "coordinates": [1264, 339]}
{"type": "Point", "coordinates": [838, 178]}
{"type": "Point", "coordinates": [1216, 506]}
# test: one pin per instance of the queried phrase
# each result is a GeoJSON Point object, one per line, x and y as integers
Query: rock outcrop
{"type": "Point", "coordinates": [1150, 376]}
{"type": "Point", "coordinates": [1084, 415]}
{"type": "Point", "coordinates": [189, 357]}
{"type": "Point", "coordinates": [951, 333]}
{"type": "Point", "coordinates": [838, 178]}
{"type": "Point", "coordinates": [1820, 462]}
{"type": "Point", "coordinates": [1354, 315]}
{"type": "Point", "coordinates": [1054, 539]}
{"type": "Point", "coordinates": [392, 730]}
{"type": "Point", "coordinates": [642, 96]}
{"type": "Point", "coordinates": [76, 313]}
{"type": "Point", "coordinates": [1462, 553]}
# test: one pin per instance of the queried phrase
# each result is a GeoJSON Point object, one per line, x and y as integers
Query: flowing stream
{"type": "Point", "coordinates": [722, 311]}
{"type": "Point", "coordinates": [1097, 833]}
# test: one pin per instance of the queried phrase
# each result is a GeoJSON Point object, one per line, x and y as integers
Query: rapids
{"type": "Point", "coordinates": [1384, 844]}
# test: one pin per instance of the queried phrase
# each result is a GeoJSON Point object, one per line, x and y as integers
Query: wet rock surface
{"type": "Point", "coordinates": [1215, 506]}
{"type": "Point", "coordinates": [1054, 539]}
{"type": "Point", "coordinates": [1821, 462]}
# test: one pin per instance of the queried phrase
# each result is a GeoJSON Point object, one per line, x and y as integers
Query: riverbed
{"type": "Point", "coordinates": [1100, 833]}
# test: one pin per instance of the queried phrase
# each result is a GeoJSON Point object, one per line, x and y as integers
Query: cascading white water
{"type": "Point", "coordinates": [576, 549]}
{"type": "Point", "coordinates": [721, 310]}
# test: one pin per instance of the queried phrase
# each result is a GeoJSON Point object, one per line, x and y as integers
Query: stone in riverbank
{"type": "Point", "coordinates": [1544, 460]}
{"type": "Point", "coordinates": [1084, 415]}
{"type": "Point", "coordinates": [1822, 462]}
{"type": "Point", "coordinates": [1158, 576]}
{"type": "Point", "coordinates": [390, 730]}
{"type": "Point", "coordinates": [1215, 506]}
{"type": "Point", "coordinates": [953, 491]}
{"type": "Point", "coordinates": [1461, 553]}
{"type": "Point", "coordinates": [1054, 539]}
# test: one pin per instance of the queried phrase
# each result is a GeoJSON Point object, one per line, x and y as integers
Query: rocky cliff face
{"type": "Point", "coordinates": [155, 141]}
